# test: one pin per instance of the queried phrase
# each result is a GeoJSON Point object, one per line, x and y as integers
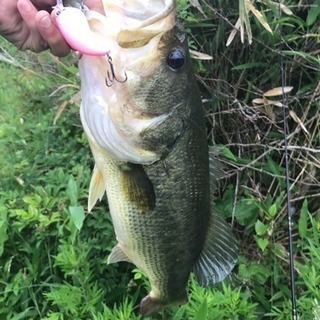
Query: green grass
{"type": "Point", "coordinates": [53, 255]}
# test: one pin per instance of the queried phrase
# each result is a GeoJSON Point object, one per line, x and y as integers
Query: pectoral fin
{"type": "Point", "coordinates": [137, 187]}
{"type": "Point", "coordinates": [96, 189]}
{"type": "Point", "coordinates": [219, 254]}
{"type": "Point", "coordinates": [117, 255]}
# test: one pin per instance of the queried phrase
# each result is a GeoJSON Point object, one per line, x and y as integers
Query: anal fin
{"type": "Point", "coordinates": [96, 189]}
{"type": "Point", "coordinates": [219, 254]}
{"type": "Point", "coordinates": [117, 255]}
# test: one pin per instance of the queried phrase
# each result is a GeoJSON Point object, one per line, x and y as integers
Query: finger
{"type": "Point", "coordinates": [29, 34]}
{"type": "Point", "coordinates": [27, 11]}
{"type": "Point", "coordinates": [51, 34]}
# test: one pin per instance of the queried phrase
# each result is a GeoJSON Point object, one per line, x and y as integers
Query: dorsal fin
{"type": "Point", "coordinates": [219, 253]}
{"type": "Point", "coordinates": [96, 189]}
{"type": "Point", "coordinates": [215, 167]}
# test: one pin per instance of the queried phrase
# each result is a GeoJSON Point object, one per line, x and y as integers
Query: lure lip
{"type": "Point", "coordinates": [75, 29]}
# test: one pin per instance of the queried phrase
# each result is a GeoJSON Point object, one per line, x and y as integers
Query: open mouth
{"type": "Point", "coordinates": [139, 13]}
{"type": "Point", "coordinates": [139, 21]}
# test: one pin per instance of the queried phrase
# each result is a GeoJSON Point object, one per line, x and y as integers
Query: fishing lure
{"type": "Point", "coordinates": [75, 29]}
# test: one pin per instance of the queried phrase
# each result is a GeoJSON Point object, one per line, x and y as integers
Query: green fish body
{"type": "Point", "coordinates": [148, 138]}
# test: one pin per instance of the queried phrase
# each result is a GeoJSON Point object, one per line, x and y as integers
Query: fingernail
{"type": "Point", "coordinates": [45, 22]}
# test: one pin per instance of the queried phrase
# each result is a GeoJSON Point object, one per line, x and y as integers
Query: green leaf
{"type": "Point", "coordinates": [303, 220]}
{"type": "Point", "coordinates": [22, 315]}
{"type": "Point", "coordinates": [302, 54]}
{"type": "Point", "coordinates": [246, 212]}
{"type": "Point", "coordinates": [313, 13]}
{"type": "Point", "coordinates": [259, 272]}
{"type": "Point", "coordinates": [249, 65]}
{"type": "Point", "coordinates": [180, 314]}
{"type": "Point", "coordinates": [227, 153]}
{"type": "Point", "coordinates": [72, 191]}
{"type": "Point", "coordinates": [3, 227]}
{"type": "Point", "coordinates": [137, 275]}
{"type": "Point", "coordinates": [261, 228]}
{"type": "Point", "coordinates": [262, 242]}
{"type": "Point", "coordinates": [277, 296]}
{"type": "Point", "coordinates": [272, 211]}
{"type": "Point", "coordinates": [202, 312]}
{"type": "Point", "coordinates": [77, 216]}
{"type": "Point", "coordinates": [66, 297]}
{"type": "Point", "coordinates": [245, 22]}
{"type": "Point", "coordinates": [33, 200]}
{"type": "Point", "coordinates": [273, 166]}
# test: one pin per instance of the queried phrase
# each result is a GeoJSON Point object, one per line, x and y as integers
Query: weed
{"type": "Point", "coordinates": [53, 254]}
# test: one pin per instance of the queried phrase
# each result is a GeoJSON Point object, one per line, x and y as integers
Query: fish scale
{"type": "Point", "coordinates": [139, 232]}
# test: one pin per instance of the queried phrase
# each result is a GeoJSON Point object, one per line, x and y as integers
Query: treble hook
{"type": "Point", "coordinates": [111, 77]}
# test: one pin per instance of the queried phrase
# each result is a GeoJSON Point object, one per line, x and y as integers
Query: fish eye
{"type": "Point", "coordinates": [175, 59]}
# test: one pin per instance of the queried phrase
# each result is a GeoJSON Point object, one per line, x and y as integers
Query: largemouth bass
{"type": "Point", "coordinates": [141, 111]}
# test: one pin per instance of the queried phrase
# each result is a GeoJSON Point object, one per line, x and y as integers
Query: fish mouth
{"type": "Point", "coordinates": [115, 114]}
{"type": "Point", "coordinates": [136, 22]}
{"type": "Point", "coordinates": [143, 12]}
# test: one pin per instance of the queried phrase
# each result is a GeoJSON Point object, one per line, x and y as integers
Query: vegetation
{"type": "Point", "coordinates": [53, 255]}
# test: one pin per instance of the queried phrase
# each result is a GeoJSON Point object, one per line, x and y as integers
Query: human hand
{"type": "Point", "coordinates": [28, 24]}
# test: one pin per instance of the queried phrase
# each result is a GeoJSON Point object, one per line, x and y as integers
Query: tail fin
{"type": "Point", "coordinates": [219, 254]}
